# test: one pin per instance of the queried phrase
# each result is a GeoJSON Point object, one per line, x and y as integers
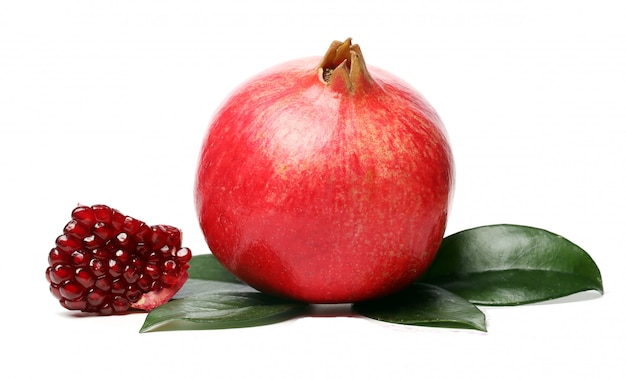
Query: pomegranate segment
{"type": "Point", "coordinates": [325, 180]}
{"type": "Point", "coordinates": [109, 263]}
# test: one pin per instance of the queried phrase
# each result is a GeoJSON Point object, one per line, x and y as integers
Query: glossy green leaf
{"type": "Point", "coordinates": [206, 266]}
{"type": "Point", "coordinates": [511, 265]}
{"type": "Point", "coordinates": [212, 298]}
{"type": "Point", "coordinates": [197, 286]}
{"type": "Point", "coordinates": [219, 310]}
{"type": "Point", "coordinates": [425, 305]}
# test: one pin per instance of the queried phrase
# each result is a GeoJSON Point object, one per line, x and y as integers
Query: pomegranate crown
{"type": "Point", "coordinates": [343, 68]}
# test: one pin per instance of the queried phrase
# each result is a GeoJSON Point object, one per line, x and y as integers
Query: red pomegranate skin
{"type": "Point", "coordinates": [325, 192]}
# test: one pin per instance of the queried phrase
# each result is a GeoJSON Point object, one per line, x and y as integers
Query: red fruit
{"type": "Point", "coordinates": [109, 263]}
{"type": "Point", "coordinates": [325, 182]}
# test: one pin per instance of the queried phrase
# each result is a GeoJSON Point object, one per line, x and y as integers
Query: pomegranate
{"type": "Point", "coordinates": [325, 181]}
{"type": "Point", "coordinates": [108, 263]}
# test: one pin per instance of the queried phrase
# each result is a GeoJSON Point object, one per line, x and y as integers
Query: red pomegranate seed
{"type": "Point", "coordinates": [60, 273]}
{"type": "Point", "coordinates": [103, 283]}
{"type": "Point", "coordinates": [152, 270]}
{"type": "Point", "coordinates": [120, 304]}
{"type": "Point", "coordinates": [98, 267]}
{"type": "Point", "coordinates": [122, 256]}
{"type": "Point", "coordinates": [105, 309]}
{"type": "Point", "coordinates": [68, 244]}
{"type": "Point", "coordinates": [102, 230]}
{"type": "Point", "coordinates": [115, 268]}
{"type": "Point", "coordinates": [131, 225]}
{"type": "Point", "coordinates": [118, 286]}
{"type": "Point", "coordinates": [131, 274]}
{"type": "Point", "coordinates": [75, 305]}
{"type": "Point", "coordinates": [56, 256]}
{"type": "Point", "coordinates": [79, 258]}
{"type": "Point", "coordinates": [84, 215]}
{"type": "Point", "coordinates": [158, 237]}
{"type": "Point", "coordinates": [123, 240]}
{"type": "Point", "coordinates": [133, 294]}
{"type": "Point", "coordinates": [169, 265]}
{"type": "Point", "coordinates": [71, 290]}
{"type": "Point", "coordinates": [101, 253]}
{"type": "Point", "coordinates": [168, 279]}
{"type": "Point", "coordinates": [93, 242]}
{"type": "Point", "coordinates": [96, 297]}
{"type": "Point", "coordinates": [102, 213]}
{"type": "Point", "coordinates": [85, 277]}
{"type": "Point", "coordinates": [117, 220]}
{"type": "Point", "coordinates": [144, 232]}
{"type": "Point", "coordinates": [76, 229]}
{"type": "Point", "coordinates": [183, 255]}
{"type": "Point", "coordinates": [144, 283]}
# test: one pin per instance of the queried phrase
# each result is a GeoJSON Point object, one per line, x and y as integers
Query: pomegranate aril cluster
{"type": "Point", "coordinates": [109, 263]}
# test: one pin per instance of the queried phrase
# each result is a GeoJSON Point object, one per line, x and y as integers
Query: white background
{"type": "Point", "coordinates": [108, 101]}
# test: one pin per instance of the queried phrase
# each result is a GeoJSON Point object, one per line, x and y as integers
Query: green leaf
{"type": "Point", "coordinates": [212, 298]}
{"type": "Point", "coordinates": [219, 310]}
{"type": "Point", "coordinates": [425, 305]}
{"type": "Point", "coordinates": [194, 287]}
{"type": "Point", "coordinates": [206, 274]}
{"type": "Point", "coordinates": [511, 265]}
{"type": "Point", "coordinates": [206, 266]}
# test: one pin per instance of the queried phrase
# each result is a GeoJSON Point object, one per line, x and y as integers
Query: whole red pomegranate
{"type": "Point", "coordinates": [325, 181]}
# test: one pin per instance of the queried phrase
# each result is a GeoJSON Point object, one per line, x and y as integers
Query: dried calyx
{"type": "Point", "coordinates": [343, 67]}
